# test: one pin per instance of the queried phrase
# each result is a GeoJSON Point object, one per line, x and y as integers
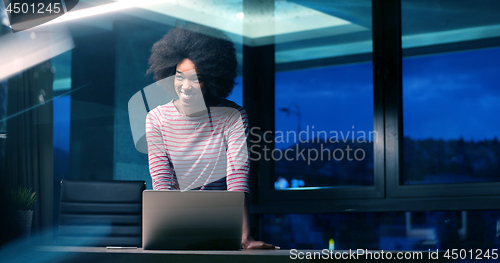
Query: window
{"type": "Point", "coordinates": [324, 130]}
{"type": "Point", "coordinates": [449, 93]}
{"type": "Point", "coordinates": [452, 138]}
{"type": "Point", "coordinates": [324, 127]}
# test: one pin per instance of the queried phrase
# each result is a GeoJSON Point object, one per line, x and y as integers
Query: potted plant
{"type": "Point", "coordinates": [24, 199]}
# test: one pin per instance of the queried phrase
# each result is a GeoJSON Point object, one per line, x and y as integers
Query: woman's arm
{"type": "Point", "coordinates": [247, 242]}
{"type": "Point", "coordinates": [160, 166]}
{"type": "Point", "coordinates": [237, 171]}
{"type": "Point", "coordinates": [238, 163]}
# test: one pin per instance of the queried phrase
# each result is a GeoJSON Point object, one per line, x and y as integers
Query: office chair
{"type": "Point", "coordinates": [100, 213]}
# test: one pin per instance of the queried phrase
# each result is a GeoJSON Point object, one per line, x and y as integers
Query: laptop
{"type": "Point", "coordinates": [194, 220]}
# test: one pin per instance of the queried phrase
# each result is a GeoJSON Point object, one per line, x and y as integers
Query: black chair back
{"type": "Point", "coordinates": [101, 213]}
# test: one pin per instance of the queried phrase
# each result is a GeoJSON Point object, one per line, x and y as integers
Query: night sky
{"type": "Point", "coordinates": [453, 95]}
{"type": "Point", "coordinates": [446, 96]}
{"type": "Point", "coordinates": [330, 99]}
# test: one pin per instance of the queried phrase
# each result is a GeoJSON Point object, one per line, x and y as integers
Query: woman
{"type": "Point", "coordinates": [199, 141]}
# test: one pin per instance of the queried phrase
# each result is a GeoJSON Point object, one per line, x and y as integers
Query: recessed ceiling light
{"type": "Point", "coordinates": [240, 15]}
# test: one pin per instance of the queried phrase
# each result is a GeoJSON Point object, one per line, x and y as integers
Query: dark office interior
{"type": "Point", "coordinates": [375, 123]}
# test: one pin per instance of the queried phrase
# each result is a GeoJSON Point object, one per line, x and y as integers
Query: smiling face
{"type": "Point", "coordinates": [188, 86]}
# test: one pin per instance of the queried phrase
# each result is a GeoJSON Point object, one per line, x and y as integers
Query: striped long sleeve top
{"type": "Point", "coordinates": [207, 152]}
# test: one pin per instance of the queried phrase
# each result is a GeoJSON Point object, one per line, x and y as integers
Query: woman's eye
{"type": "Point", "coordinates": [178, 77]}
{"type": "Point", "coordinates": [194, 79]}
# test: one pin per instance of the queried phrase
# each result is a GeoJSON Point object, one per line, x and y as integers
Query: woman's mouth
{"type": "Point", "coordinates": [187, 96]}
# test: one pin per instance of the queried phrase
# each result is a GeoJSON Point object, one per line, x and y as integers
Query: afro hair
{"type": "Point", "coordinates": [211, 51]}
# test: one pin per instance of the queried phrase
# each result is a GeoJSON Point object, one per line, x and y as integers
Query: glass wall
{"type": "Point", "coordinates": [326, 113]}
{"type": "Point", "coordinates": [450, 92]}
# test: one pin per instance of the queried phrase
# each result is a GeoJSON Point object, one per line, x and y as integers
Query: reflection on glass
{"type": "Point", "coordinates": [324, 114]}
{"type": "Point", "coordinates": [447, 21]}
{"type": "Point", "coordinates": [61, 67]}
{"type": "Point", "coordinates": [418, 231]}
{"type": "Point", "coordinates": [450, 99]}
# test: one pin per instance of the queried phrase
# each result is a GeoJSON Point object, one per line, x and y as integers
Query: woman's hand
{"type": "Point", "coordinates": [250, 243]}
{"type": "Point", "coordinates": [247, 242]}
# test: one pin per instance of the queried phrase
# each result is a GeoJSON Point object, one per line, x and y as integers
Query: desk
{"type": "Point", "coordinates": [101, 254]}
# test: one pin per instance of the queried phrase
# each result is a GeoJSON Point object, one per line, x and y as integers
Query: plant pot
{"type": "Point", "coordinates": [25, 218]}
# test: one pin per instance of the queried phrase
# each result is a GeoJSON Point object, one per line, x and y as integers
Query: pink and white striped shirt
{"type": "Point", "coordinates": [207, 152]}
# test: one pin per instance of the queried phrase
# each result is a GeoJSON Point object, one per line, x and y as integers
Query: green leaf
{"type": "Point", "coordinates": [23, 199]}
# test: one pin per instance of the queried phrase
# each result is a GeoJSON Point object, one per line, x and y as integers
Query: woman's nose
{"type": "Point", "coordinates": [186, 85]}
